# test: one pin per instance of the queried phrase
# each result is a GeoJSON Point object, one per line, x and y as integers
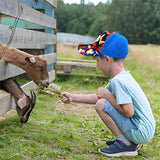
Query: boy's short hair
{"type": "Point", "coordinates": [115, 59]}
{"type": "Point", "coordinates": [110, 44]}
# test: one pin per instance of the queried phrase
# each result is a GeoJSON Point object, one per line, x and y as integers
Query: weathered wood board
{"type": "Point", "coordinates": [52, 3]}
{"type": "Point", "coordinates": [26, 38]}
{"type": "Point", "coordinates": [9, 70]}
{"type": "Point", "coordinates": [12, 7]}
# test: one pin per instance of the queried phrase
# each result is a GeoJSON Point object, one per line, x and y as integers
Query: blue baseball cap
{"type": "Point", "coordinates": [110, 44]}
{"type": "Point", "coordinates": [115, 45]}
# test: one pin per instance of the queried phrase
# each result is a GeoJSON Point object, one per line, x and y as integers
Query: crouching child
{"type": "Point", "coordinates": [122, 104]}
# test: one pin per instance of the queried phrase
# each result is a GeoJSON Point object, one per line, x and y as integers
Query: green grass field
{"type": "Point", "coordinates": [56, 131]}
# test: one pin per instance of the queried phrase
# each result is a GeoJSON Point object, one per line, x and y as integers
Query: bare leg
{"type": "Point", "coordinates": [117, 148]}
{"type": "Point", "coordinates": [108, 121]}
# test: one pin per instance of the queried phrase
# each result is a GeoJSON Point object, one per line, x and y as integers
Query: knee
{"type": "Point", "coordinates": [99, 105]}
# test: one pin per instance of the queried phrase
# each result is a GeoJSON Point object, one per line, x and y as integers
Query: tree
{"type": "Point", "coordinates": [82, 2]}
{"type": "Point", "coordinates": [80, 18]}
{"type": "Point", "coordinates": [137, 19]}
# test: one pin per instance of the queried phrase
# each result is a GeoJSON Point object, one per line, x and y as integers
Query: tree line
{"type": "Point", "coordinates": [138, 20]}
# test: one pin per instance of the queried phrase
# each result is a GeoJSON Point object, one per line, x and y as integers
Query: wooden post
{"type": "Point", "coordinates": [67, 69]}
{"type": "Point", "coordinates": [0, 18]}
{"type": "Point", "coordinates": [49, 11]}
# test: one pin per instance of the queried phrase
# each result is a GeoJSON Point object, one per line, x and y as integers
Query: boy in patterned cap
{"type": "Point", "coordinates": [122, 105]}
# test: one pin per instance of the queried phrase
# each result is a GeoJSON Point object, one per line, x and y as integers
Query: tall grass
{"type": "Point", "coordinates": [53, 133]}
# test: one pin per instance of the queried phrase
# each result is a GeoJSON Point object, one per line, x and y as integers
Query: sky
{"type": "Point", "coordinates": [86, 1]}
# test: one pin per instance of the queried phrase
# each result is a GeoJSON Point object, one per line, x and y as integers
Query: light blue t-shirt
{"type": "Point", "coordinates": [126, 90]}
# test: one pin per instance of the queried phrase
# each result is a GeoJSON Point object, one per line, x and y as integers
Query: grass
{"type": "Point", "coordinates": [52, 134]}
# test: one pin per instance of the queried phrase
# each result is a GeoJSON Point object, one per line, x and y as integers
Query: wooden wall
{"type": "Point", "coordinates": [37, 12]}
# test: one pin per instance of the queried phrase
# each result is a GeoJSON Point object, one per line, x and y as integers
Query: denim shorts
{"type": "Point", "coordinates": [125, 124]}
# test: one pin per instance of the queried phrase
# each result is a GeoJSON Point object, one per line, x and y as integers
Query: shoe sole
{"type": "Point", "coordinates": [137, 148]}
{"type": "Point", "coordinates": [134, 153]}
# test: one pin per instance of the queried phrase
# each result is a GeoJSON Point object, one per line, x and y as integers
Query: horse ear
{"type": "Point", "coordinates": [30, 60]}
{"type": "Point", "coordinates": [21, 103]}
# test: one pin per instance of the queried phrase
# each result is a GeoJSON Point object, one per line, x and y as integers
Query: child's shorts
{"type": "Point", "coordinates": [125, 124]}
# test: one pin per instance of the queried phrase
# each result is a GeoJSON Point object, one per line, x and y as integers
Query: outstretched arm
{"type": "Point", "coordinates": [82, 98]}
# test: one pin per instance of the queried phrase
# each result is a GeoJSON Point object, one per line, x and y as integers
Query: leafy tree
{"type": "Point", "coordinates": [97, 27]}
{"type": "Point", "coordinates": [80, 18]}
{"type": "Point", "coordinates": [138, 20]}
{"type": "Point", "coordinates": [155, 32]}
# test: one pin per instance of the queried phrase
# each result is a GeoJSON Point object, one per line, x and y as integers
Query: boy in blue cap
{"type": "Point", "coordinates": [122, 105]}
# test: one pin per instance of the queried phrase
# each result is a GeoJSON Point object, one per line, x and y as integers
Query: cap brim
{"type": "Point", "coordinates": [87, 50]}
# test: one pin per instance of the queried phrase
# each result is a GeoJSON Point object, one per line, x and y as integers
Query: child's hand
{"type": "Point", "coordinates": [66, 96]}
{"type": "Point", "coordinates": [102, 92]}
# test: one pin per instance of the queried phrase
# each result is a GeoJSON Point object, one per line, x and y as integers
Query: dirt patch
{"type": "Point", "coordinates": [76, 107]}
{"type": "Point", "coordinates": [80, 108]}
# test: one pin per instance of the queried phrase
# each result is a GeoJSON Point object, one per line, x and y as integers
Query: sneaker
{"type": "Point", "coordinates": [118, 149]}
{"type": "Point", "coordinates": [110, 141]}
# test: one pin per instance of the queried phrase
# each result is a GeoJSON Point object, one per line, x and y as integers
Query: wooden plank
{"type": "Point", "coordinates": [67, 69]}
{"type": "Point", "coordinates": [5, 99]}
{"type": "Point", "coordinates": [82, 74]}
{"type": "Point", "coordinates": [8, 70]}
{"type": "Point", "coordinates": [76, 60]}
{"type": "Point", "coordinates": [0, 17]}
{"type": "Point", "coordinates": [51, 58]}
{"type": "Point", "coordinates": [9, 21]}
{"type": "Point", "coordinates": [52, 76]}
{"type": "Point", "coordinates": [53, 3]}
{"type": "Point", "coordinates": [10, 8]}
{"type": "Point", "coordinates": [50, 12]}
{"type": "Point", "coordinates": [91, 65]}
{"type": "Point", "coordinates": [29, 39]}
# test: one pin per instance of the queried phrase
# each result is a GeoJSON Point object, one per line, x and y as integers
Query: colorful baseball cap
{"type": "Point", "coordinates": [110, 44]}
{"type": "Point", "coordinates": [94, 48]}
